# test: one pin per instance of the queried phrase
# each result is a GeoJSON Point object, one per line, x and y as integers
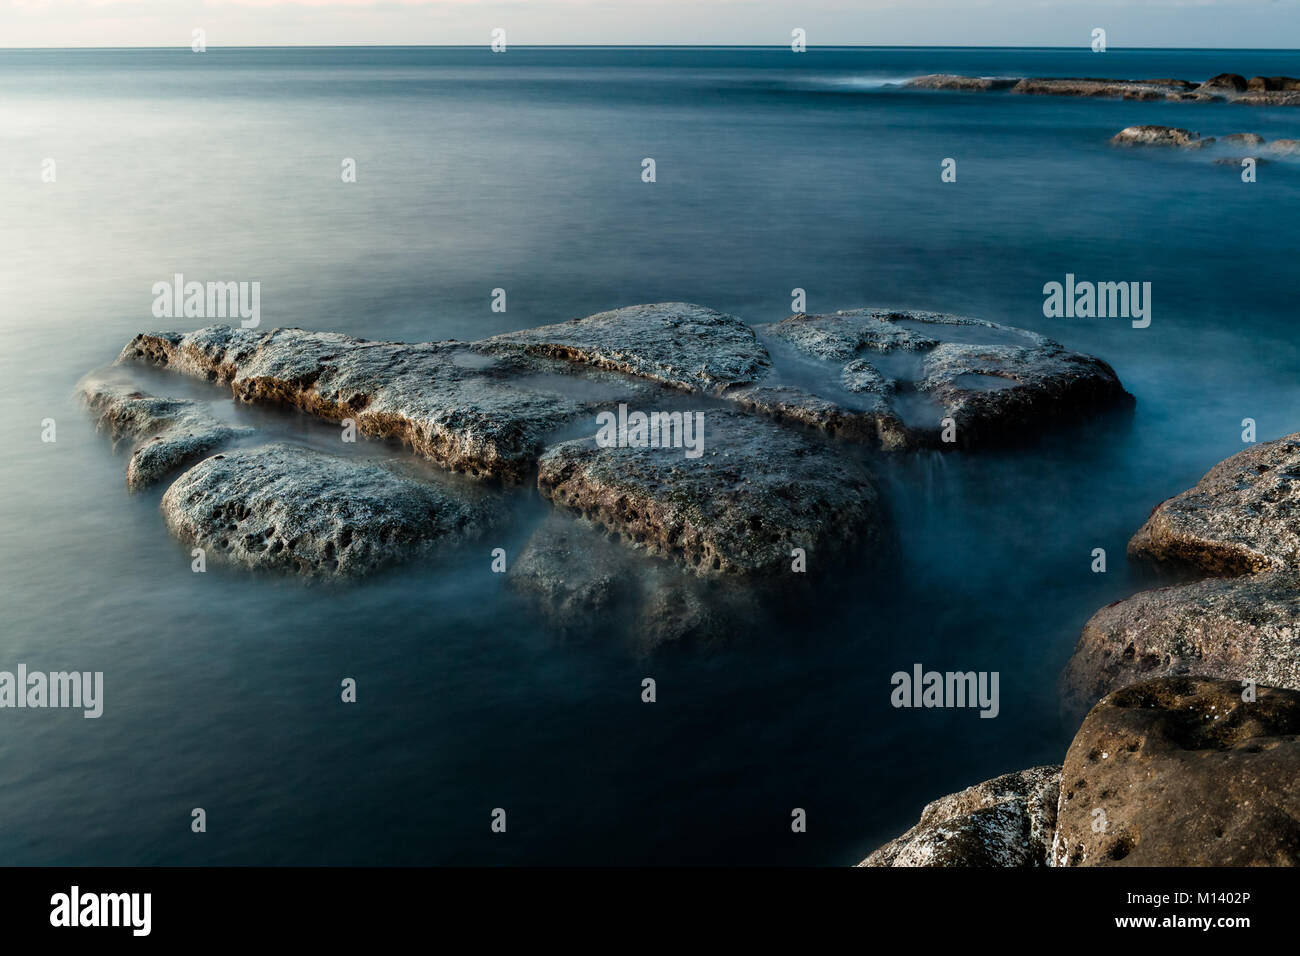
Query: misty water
{"type": "Point", "coordinates": [523, 171]}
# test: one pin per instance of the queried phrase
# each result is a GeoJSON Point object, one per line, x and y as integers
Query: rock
{"type": "Point", "coordinates": [1273, 83]}
{"type": "Point", "coordinates": [1181, 771]}
{"type": "Point", "coordinates": [1246, 139]}
{"type": "Point", "coordinates": [1242, 517]}
{"type": "Point", "coordinates": [911, 370]}
{"type": "Point", "coordinates": [486, 413]}
{"type": "Point", "coordinates": [679, 344]}
{"type": "Point", "coordinates": [1236, 161]}
{"type": "Point", "coordinates": [583, 580]}
{"type": "Point", "coordinates": [948, 81]}
{"type": "Point", "coordinates": [1287, 147]}
{"type": "Point", "coordinates": [166, 433]}
{"type": "Point", "coordinates": [1004, 822]}
{"type": "Point", "coordinates": [288, 508]}
{"type": "Point", "coordinates": [1235, 629]}
{"type": "Point", "coordinates": [1227, 82]}
{"type": "Point", "coordinates": [1269, 98]}
{"type": "Point", "coordinates": [1130, 89]}
{"type": "Point", "coordinates": [757, 491]}
{"type": "Point", "coordinates": [1159, 136]}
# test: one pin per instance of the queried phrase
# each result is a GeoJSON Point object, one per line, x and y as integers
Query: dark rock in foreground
{"type": "Point", "coordinates": [912, 370]}
{"type": "Point", "coordinates": [1008, 821]}
{"type": "Point", "coordinates": [1225, 82]}
{"type": "Point", "coordinates": [1242, 517]}
{"type": "Point", "coordinates": [288, 508]}
{"type": "Point", "coordinates": [1233, 629]}
{"type": "Point", "coordinates": [757, 492]}
{"type": "Point", "coordinates": [1182, 772]}
{"type": "Point", "coordinates": [166, 433]}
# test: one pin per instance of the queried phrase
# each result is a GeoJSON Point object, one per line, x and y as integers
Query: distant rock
{"type": "Point", "coordinates": [1235, 629]}
{"type": "Point", "coordinates": [282, 507]}
{"type": "Point", "coordinates": [166, 433]}
{"type": "Point", "coordinates": [757, 492]}
{"type": "Point", "coordinates": [1160, 136]}
{"type": "Point", "coordinates": [1120, 89]}
{"type": "Point", "coordinates": [1008, 821]}
{"type": "Point", "coordinates": [912, 370]}
{"type": "Point", "coordinates": [949, 81]}
{"type": "Point", "coordinates": [1245, 139]}
{"type": "Point", "coordinates": [1181, 771]}
{"type": "Point", "coordinates": [1287, 147]}
{"type": "Point", "coordinates": [1226, 82]}
{"type": "Point", "coordinates": [1273, 83]}
{"type": "Point", "coordinates": [1269, 98]}
{"type": "Point", "coordinates": [1242, 517]}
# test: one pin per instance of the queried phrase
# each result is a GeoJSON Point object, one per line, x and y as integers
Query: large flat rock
{"type": "Point", "coordinates": [1181, 771]}
{"type": "Point", "coordinates": [164, 433]}
{"type": "Point", "coordinates": [1008, 821]}
{"type": "Point", "coordinates": [1242, 517]}
{"type": "Point", "coordinates": [288, 508]}
{"type": "Point", "coordinates": [757, 491]}
{"type": "Point", "coordinates": [484, 414]}
{"type": "Point", "coordinates": [1233, 629]}
{"type": "Point", "coordinates": [908, 371]}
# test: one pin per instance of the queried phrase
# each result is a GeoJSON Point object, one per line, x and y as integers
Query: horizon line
{"type": "Point", "coordinates": [645, 46]}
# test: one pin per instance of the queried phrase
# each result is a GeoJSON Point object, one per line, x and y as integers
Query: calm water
{"type": "Point", "coordinates": [523, 171]}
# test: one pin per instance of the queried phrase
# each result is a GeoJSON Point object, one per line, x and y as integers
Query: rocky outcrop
{"type": "Point", "coordinates": [1225, 83]}
{"type": "Point", "coordinates": [486, 413]}
{"type": "Point", "coordinates": [165, 433]}
{"type": "Point", "coordinates": [1286, 147]}
{"type": "Point", "coordinates": [1269, 98]}
{"type": "Point", "coordinates": [1008, 821]}
{"type": "Point", "coordinates": [757, 492]}
{"type": "Point", "coordinates": [949, 81]}
{"type": "Point", "coordinates": [1242, 517]}
{"type": "Point", "coordinates": [912, 370]}
{"type": "Point", "coordinates": [1160, 136]}
{"type": "Point", "coordinates": [1182, 771]}
{"type": "Point", "coordinates": [1122, 89]}
{"type": "Point", "coordinates": [1235, 629]}
{"type": "Point", "coordinates": [1273, 83]}
{"type": "Point", "coordinates": [1243, 139]}
{"type": "Point", "coordinates": [282, 507]}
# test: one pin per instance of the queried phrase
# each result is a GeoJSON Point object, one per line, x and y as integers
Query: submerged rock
{"type": "Point", "coordinates": [949, 81]}
{"type": "Point", "coordinates": [288, 508]}
{"type": "Point", "coordinates": [486, 415]}
{"type": "Point", "coordinates": [1008, 821]}
{"type": "Point", "coordinates": [166, 433]}
{"type": "Point", "coordinates": [1242, 517]}
{"type": "Point", "coordinates": [1245, 139]}
{"type": "Point", "coordinates": [1182, 772]}
{"type": "Point", "coordinates": [1160, 136]}
{"type": "Point", "coordinates": [1235, 629]}
{"type": "Point", "coordinates": [915, 369]}
{"type": "Point", "coordinates": [757, 492]}
{"type": "Point", "coordinates": [1287, 147]}
{"type": "Point", "coordinates": [1124, 89]}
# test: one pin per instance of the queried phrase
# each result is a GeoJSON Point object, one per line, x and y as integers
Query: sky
{"type": "Point", "coordinates": [1128, 23]}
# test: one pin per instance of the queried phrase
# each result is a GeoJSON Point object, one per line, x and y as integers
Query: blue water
{"type": "Point", "coordinates": [522, 171]}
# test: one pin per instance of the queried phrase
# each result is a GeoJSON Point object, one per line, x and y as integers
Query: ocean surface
{"type": "Point", "coordinates": [523, 171]}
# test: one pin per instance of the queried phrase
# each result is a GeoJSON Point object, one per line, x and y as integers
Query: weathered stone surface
{"type": "Point", "coordinates": [1273, 83]}
{"type": "Point", "coordinates": [757, 491]}
{"type": "Point", "coordinates": [288, 508]}
{"type": "Point", "coordinates": [949, 81]}
{"type": "Point", "coordinates": [1242, 517]}
{"type": "Point", "coordinates": [165, 433]}
{"type": "Point", "coordinates": [486, 414]}
{"type": "Point", "coordinates": [911, 370]}
{"type": "Point", "coordinates": [1269, 98]}
{"type": "Point", "coordinates": [1234, 629]}
{"type": "Point", "coordinates": [1125, 89]}
{"type": "Point", "coordinates": [582, 579]}
{"type": "Point", "coordinates": [1243, 139]}
{"type": "Point", "coordinates": [1160, 136]}
{"type": "Point", "coordinates": [1184, 773]}
{"type": "Point", "coordinates": [1008, 821]}
{"type": "Point", "coordinates": [1225, 82]}
{"type": "Point", "coordinates": [679, 344]}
